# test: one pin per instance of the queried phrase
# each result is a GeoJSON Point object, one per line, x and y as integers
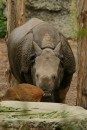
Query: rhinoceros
{"type": "Point", "coordinates": [40, 55]}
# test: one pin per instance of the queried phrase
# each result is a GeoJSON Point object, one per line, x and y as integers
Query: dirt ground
{"type": "Point", "coordinates": [71, 95]}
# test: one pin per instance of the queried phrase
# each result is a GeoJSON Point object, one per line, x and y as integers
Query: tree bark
{"type": "Point", "coordinates": [16, 14]}
{"type": "Point", "coordinates": [15, 17]}
{"type": "Point", "coordinates": [82, 54]}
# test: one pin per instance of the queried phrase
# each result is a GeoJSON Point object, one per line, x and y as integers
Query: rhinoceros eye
{"type": "Point", "coordinates": [60, 56]}
{"type": "Point", "coordinates": [33, 63]}
{"type": "Point", "coordinates": [32, 59]}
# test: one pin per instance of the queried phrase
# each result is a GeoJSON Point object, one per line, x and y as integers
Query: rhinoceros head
{"type": "Point", "coordinates": [46, 68]}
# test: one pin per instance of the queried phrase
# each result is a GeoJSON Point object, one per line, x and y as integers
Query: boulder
{"type": "Point", "coordinates": [55, 12]}
{"type": "Point", "coordinates": [15, 115]}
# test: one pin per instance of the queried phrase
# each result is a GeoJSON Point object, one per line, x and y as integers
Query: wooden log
{"type": "Point", "coordinates": [82, 54]}
{"type": "Point", "coordinates": [15, 17]}
{"type": "Point", "coordinates": [16, 14]}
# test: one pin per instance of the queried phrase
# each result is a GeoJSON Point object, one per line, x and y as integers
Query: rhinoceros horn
{"type": "Point", "coordinates": [38, 50]}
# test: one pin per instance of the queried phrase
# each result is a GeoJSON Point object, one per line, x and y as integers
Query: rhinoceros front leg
{"type": "Point", "coordinates": [60, 95]}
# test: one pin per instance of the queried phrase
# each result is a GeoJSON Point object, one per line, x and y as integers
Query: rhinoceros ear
{"type": "Point", "coordinates": [38, 50]}
{"type": "Point", "coordinates": [57, 49]}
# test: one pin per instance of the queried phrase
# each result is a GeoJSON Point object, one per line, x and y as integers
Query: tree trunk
{"type": "Point", "coordinates": [16, 14]}
{"type": "Point", "coordinates": [82, 54]}
{"type": "Point", "coordinates": [15, 17]}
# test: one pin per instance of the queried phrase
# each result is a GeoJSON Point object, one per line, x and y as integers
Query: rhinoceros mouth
{"type": "Point", "coordinates": [46, 97]}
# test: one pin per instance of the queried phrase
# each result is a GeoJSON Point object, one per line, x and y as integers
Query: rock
{"type": "Point", "coordinates": [5, 12]}
{"type": "Point", "coordinates": [56, 12]}
{"type": "Point", "coordinates": [67, 118]}
{"type": "Point", "coordinates": [4, 2]}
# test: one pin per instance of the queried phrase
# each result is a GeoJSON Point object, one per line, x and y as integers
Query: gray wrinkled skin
{"type": "Point", "coordinates": [41, 56]}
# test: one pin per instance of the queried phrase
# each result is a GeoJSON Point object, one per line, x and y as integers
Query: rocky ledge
{"type": "Point", "coordinates": [15, 115]}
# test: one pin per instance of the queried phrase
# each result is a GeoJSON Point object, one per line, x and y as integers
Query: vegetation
{"type": "Point", "coordinates": [31, 115]}
{"type": "Point", "coordinates": [3, 21]}
{"type": "Point", "coordinates": [74, 19]}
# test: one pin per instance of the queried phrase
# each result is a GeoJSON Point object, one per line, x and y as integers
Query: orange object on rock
{"type": "Point", "coordinates": [23, 92]}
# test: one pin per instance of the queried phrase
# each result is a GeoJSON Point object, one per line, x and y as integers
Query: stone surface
{"type": "Point", "coordinates": [56, 12]}
{"type": "Point", "coordinates": [76, 117]}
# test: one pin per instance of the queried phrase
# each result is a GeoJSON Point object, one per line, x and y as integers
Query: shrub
{"type": "Point", "coordinates": [3, 21]}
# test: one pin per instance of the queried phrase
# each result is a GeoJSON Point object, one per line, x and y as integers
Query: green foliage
{"type": "Point", "coordinates": [78, 32]}
{"type": "Point", "coordinates": [3, 21]}
{"type": "Point", "coordinates": [73, 18]}
{"type": "Point", "coordinates": [82, 32]}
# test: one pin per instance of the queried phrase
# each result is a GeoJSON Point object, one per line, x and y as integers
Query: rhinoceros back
{"type": "Point", "coordinates": [19, 32]}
